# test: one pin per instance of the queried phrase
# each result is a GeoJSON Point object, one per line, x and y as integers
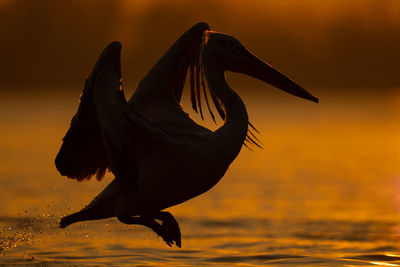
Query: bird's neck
{"type": "Point", "coordinates": [231, 135]}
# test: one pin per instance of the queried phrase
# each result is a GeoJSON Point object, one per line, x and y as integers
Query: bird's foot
{"type": "Point", "coordinates": [171, 227]}
{"type": "Point", "coordinates": [168, 231]}
{"type": "Point", "coordinates": [165, 235]}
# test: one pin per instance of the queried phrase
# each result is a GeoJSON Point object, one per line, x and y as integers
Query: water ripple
{"type": "Point", "coordinates": [251, 258]}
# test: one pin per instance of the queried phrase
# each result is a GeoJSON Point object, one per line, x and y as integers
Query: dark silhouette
{"type": "Point", "coordinates": [158, 155]}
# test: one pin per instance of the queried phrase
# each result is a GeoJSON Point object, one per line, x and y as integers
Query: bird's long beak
{"type": "Point", "coordinates": [258, 69]}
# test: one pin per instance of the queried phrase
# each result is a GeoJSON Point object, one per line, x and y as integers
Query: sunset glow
{"type": "Point", "coordinates": [324, 190]}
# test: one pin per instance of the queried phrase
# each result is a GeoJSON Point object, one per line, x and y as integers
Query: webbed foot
{"type": "Point", "coordinates": [168, 231]}
{"type": "Point", "coordinates": [171, 227]}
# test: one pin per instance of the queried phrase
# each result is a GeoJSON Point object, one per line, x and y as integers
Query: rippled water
{"type": "Point", "coordinates": [324, 191]}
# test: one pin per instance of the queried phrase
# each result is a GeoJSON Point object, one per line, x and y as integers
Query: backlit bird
{"type": "Point", "coordinates": [158, 155]}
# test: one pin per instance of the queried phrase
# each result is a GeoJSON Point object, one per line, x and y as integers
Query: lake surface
{"type": "Point", "coordinates": [324, 191]}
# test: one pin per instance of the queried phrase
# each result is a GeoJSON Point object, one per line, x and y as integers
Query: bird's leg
{"type": "Point", "coordinates": [170, 225]}
{"type": "Point", "coordinates": [151, 223]}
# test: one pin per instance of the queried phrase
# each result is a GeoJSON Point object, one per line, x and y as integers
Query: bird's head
{"type": "Point", "coordinates": [230, 54]}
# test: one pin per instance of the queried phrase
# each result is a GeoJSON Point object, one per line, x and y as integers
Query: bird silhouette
{"type": "Point", "coordinates": [159, 156]}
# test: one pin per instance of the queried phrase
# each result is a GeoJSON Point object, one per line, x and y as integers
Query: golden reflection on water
{"type": "Point", "coordinates": [384, 263]}
{"type": "Point", "coordinates": [324, 189]}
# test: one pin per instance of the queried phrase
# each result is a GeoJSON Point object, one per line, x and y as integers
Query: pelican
{"type": "Point", "coordinates": [159, 156]}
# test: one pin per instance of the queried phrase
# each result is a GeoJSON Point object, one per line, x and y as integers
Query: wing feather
{"type": "Point", "coordinates": [82, 153]}
{"type": "Point", "coordinates": [120, 125]}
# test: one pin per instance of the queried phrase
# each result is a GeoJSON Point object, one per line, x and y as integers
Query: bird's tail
{"type": "Point", "coordinates": [94, 211]}
{"type": "Point", "coordinates": [101, 207]}
{"type": "Point", "coordinates": [73, 218]}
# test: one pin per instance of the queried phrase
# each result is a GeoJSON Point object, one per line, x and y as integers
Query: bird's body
{"type": "Point", "coordinates": [159, 156]}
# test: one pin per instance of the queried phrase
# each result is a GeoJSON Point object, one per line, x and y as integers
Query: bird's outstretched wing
{"type": "Point", "coordinates": [117, 121]}
{"type": "Point", "coordinates": [82, 152]}
{"type": "Point", "coordinates": [166, 79]}
{"type": "Point", "coordinates": [103, 132]}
